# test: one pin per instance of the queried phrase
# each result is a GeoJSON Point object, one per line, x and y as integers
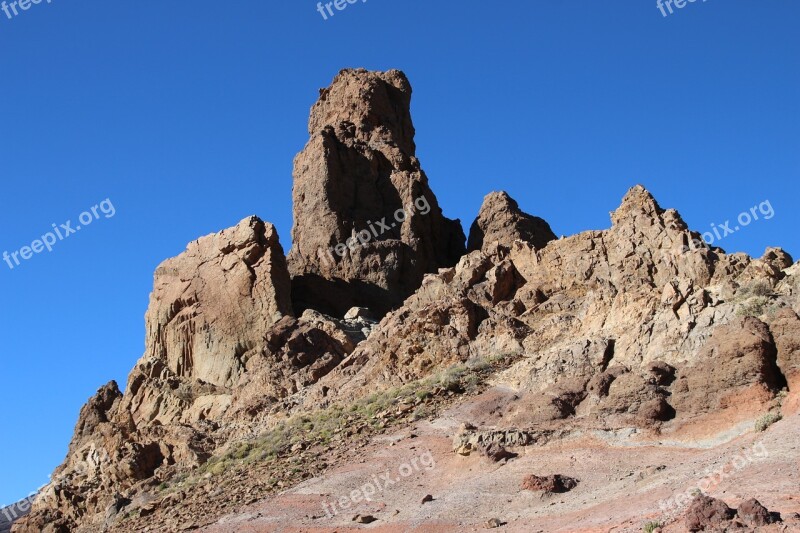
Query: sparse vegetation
{"type": "Point", "coordinates": [755, 299]}
{"type": "Point", "coordinates": [649, 527]}
{"type": "Point", "coordinates": [755, 306]}
{"type": "Point", "coordinates": [767, 420]}
{"type": "Point", "coordinates": [450, 380]}
{"type": "Point", "coordinates": [415, 400]}
{"type": "Point", "coordinates": [755, 288]}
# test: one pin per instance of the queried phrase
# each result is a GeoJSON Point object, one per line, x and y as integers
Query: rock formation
{"type": "Point", "coordinates": [367, 226]}
{"type": "Point", "coordinates": [612, 328]}
{"type": "Point", "coordinates": [500, 220]}
{"type": "Point", "coordinates": [632, 331]}
{"type": "Point", "coordinates": [222, 346]}
{"type": "Point", "coordinates": [212, 306]}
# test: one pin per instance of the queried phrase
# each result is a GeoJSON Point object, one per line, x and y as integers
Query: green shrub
{"type": "Point", "coordinates": [423, 394]}
{"type": "Point", "coordinates": [218, 467]}
{"type": "Point", "coordinates": [649, 527]}
{"type": "Point", "coordinates": [480, 365]}
{"type": "Point", "coordinates": [755, 288]}
{"type": "Point", "coordinates": [421, 412]}
{"type": "Point", "coordinates": [767, 420]}
{"type": "Point", "coordinates": [755, 306]}
{"type": "Point", "coordinates": [451, 378]}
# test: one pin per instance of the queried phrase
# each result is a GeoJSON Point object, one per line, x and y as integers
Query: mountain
{"type": "Point", "coordinates": [519, 380]}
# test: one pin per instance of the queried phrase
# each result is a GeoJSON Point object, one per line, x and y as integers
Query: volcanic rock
{"type": "Point", "coordinates": [213, 304]}
{"type": "Point", "coordinates": [553, 484]}
{"type": "Point", "coordinates": [627, 333]}
{"type": "Point", "coordinates": [497, 453]}
{"type": "Point", "coordinates": [367, 226]}
{"type": "Point", "coordinates": [754, 514]}
{"type": "Point", "coordinates": [785, 329]}
{"type": "Point", "coordinates": [739, 354]}
{"type": "Point", "coordinates": [500, 220]}
{"type": "Point", "coordinates": [708, 514]}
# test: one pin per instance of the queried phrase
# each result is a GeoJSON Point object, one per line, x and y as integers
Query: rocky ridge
{"type": "Point", "coordinates": [628, 330]}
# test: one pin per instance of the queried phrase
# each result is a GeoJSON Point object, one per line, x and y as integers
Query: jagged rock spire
{"type": "Point", "coordinates": [367, 226]}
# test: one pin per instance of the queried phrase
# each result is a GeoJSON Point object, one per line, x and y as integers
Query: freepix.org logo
{"type": "Point", "coordinates": [13, 8]}
{"type": "Point", "coordinates": [666, 6]}
{"type": "Point", "coordinates": [326, 9]}
{"type": "Point", "coordinates": [58, 234]}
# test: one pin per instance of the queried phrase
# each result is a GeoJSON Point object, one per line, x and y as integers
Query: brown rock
{"type": "Point", "coordinates": [356, 173]}
{"type": "Point", "coordinates": [785, 329]}
{"type": "Point", "coordinates": [497, 453]}
{"type": "Point", "coordinates": [552, 484]}
{"type": "Point", "coordinates": [501, 221]}
{"type": "Point", "coordinates": [754, 514]}
{"type": "Point", "coordinates": [493, 523]}
{"type": "Point", "coordinates": [213, 304]}
{"type": "Point", "coordinates": [739, 355]}
{"type": "Point", "coordinates": [707, 514]}
{"type": "Point", "coordinates": [96, 411]}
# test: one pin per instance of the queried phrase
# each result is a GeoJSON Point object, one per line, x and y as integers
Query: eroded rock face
{"type": "Point", "coordinates": [500, 220]}
{"type": "Point", "coordinates": [611, 328]}
{"type": "Point", "coordinates": [222, 346]}
{"type": "Point", "coordinates": [631, 328]}
{"type": "Point", "coordinates": [354, 183]}
{"type": "Point", "coordinates": [785, 329]}
{"type": "Point", "coordinates": [739, 354]}
{"type": "Point", "coordinates": [212, 305]}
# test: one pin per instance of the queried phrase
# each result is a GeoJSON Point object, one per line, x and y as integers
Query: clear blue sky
{"type": "Point", "coordinates": [187, 115]}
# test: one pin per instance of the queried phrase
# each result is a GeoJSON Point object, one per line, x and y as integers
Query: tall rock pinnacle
{"type": "Point", "coordinates": [367, 226]}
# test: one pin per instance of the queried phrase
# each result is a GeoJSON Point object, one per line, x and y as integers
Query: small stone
{"type": "Point", "coordinates": [497, 453]}
{"type": "Point", "coordinates": [357, 312]}
{"type": "Point", "coordinates": [427, 498]}
{"type": "Point", "coordinates": [493, 523]}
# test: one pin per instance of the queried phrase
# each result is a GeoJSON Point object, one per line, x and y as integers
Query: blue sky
{"type": "Point", "coordinates": [186, 116]}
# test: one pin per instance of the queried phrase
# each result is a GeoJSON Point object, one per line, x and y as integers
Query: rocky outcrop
{"type": "Point", "coordinates": [610, 328]}
{"type": "Point", "coordinates": [212, 305]}
{"type": "Point", "coordinates": [501, 221]}
{"type": "Point", "coordinates": [222, 345]}
{"type": "Point", "coordinates": [367, 226]}
{"type": "Point", "coordinates": [634, 330]}
{"type": "Point", "coordinates": [784, 326]}
{"type": "Point", "coordinates": [739, 355]}
{"type": "Point", "coordinates": [708, 514]}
